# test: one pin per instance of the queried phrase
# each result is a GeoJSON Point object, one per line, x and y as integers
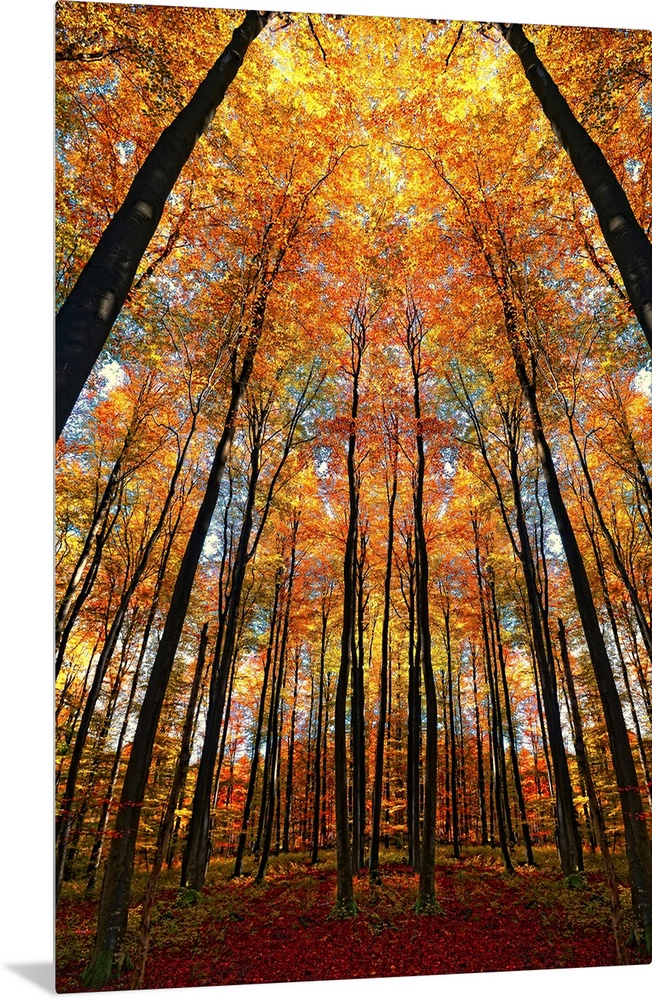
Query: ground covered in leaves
{"type": "Point", "coordinates": [283, 930]}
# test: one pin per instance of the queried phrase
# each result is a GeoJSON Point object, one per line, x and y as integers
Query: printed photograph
{"type": "Point", "coordinates": [353, 554]}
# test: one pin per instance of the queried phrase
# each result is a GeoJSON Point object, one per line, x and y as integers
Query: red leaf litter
{"type": "Point", "coordinates": [284, 931]}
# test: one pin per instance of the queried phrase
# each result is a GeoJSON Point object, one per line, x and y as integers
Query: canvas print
{"type": "Point", "coordinates": [353, 497]}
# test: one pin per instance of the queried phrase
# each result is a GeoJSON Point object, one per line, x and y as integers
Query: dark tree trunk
{"type": "Point", "coordinates": [462, 760]}
{"type": "Point", "coordinates": [413, 781]}
{"type": "Point", "coordinates": [273, 798]}
{"type": "Point", "coordinates": [195, 856]}
{"type": "Point", "coordinates": [637, 841]}
{"type": "Point", "coordinates": [96, 850]}
{"type": "Point", "coordinates": [251, 786]}
{"type": "Point", "coordinates": [87, 315]}
{"type": "Point", "coordinates": [623, 235]}
{"type": "Point", "coordinates": [569, 842]}
{"type": "Point", "coordinates": [310, 774]}
{"type": "Point", "coordinates": [165, 832]}
{"type": "Point", "coordinates": [289, 777]}
{"type": "Point", "coordinates": [64, 818]}
{"type": "Point", "coordinates": [384, 657]}
{"type": "Point", "coordinates": [594, 805]}
{"type": "Point", "coordinates": [108, 951]}
{"type": "Point", "coordinates": [621, 658]}
{"type": "Point", "coordinates": [525, 826]}
{"type": "Point", "coordinates": [358, 768]}
{"type": "Point", "coordinates": [453, 745]}
{"type": "Point", "coordinates": [426, 899]}
{"type": "Point", "coordinates": [314, 855]}
{"type": "Point", "coordinates": [266, 778]}
{"type": "Point", "coordinates": [479, 752]}
{"type": "Point", "coordinates": [345, 904]}
{"type": "Point", "coordinates": [324, 778]}
{"type": "Point", "coordinates": [497, 785]}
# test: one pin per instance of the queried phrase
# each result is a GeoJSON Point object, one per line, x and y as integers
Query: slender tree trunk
{"type": "Point", "coordinates": [266, 779]}
{"type": "Point", "coordinates": [568, 835]}
{"type": "Point", "coordinates": [525, 826]}
{"type": "Point", "coordinates": [453, 746]}
{"type": "Point", "coordinates": [108, 951]}
{"type": "Point", "coordinates": [384, 671]}
{"type": "Point", "coordinates": [628, 581]}
{"type": "Point", "coordinates": [426, 899]}
{"type": "Point", "coordinates": [195, 856]}
{"type": "Point", "coordinates": [637, 841]}
{"type": "Point", "coordinates": [64, 819]}
{"type": "Point", "coordinates": [95, 537]}
{"type": "Point", "coordinates": [274, 717]}
{"type": "Point", "coordinates": [83, 590]}
{"type": "Point", "coordinates": [96, 851]}
{"type": "Point", "coordinates": [345, 904]}
{"type": "Point", "coordinates": [242, 840]}
{"type": "Point", "coordinates": [414, 717]}
{"type": "Point", "coordinates": [289, 777]}
{"type": "Point", "coordinates": [165, 832]}
{"type": "Point", "coordinates": [594, 805]}
{"type": "Point", "coordinates": [324, 779]}
{"type": "Point", "coordinates": [389, 731]}
{"type": "Point", "coordinates": [358, 769]}
{"type": "Point", "coordinates": [479, 751]}
{"type": "Point", "coordinates": [462, 757]}
{"type": "Point", "coordinates": [314, 856]}
{"type": "Point", "coordinates": [619, 651]}
{"type": "Point", "coordinates": [497, 784]}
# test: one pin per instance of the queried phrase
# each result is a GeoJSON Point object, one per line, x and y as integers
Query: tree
{"type": "Point", "coordinates": [357, 334]}
{"type": "Point", "coordinates": [85, 319]}
{"type": "Point", "coordinates": [623, 234]}
{"type": "Point", "coordinates": [414, 333]}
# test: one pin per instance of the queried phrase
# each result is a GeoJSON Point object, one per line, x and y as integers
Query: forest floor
{"type": "Point", "coordinates": [282, 931]}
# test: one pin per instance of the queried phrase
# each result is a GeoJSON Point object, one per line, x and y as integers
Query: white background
{"type": "Point", "coordinates": [26, 338]}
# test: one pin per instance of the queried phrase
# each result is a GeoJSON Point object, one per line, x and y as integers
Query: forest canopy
{"type": "Point", "coordinates": [353, 511]}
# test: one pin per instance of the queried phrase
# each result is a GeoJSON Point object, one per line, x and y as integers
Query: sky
{"type": "Point", "coordinates": [26, 497]}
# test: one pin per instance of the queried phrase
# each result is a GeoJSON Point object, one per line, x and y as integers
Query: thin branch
{"type": "Point", "coordinates": [459, 35]}
{"type": "Point", "coordinates": [314, 35]}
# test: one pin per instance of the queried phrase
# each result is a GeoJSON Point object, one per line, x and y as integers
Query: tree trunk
{"type": "Point", "coordinates": [289, 778]}
{"type": "Point", "coordinates": [314, 855]}
{"type": "Point", "coordinates": [426, 899]}
{"type": "Point", "coordinates": [195, 856]}
{"type": "Point", "coordinates": [345, 904]}
{"type": "Point", "coordinates": [479, 752]}
{"type": "Point", "coordinates": [525, 826]}
{"type": "Point", "coordinates": [112, 920]}
{"type": "Point", "coordinates": [65, 815]}
{"type": "Point", "coordinates": [358, 763]}
{"type": "Point", "coordinates": [87, 315]}
{"type": "Point", "coordinates": [251, 786]}
{"type": "Point", "coordinates": [636, 836]}
{"type": "Point", "coordinates": [453, 746]}
{"type": "Point", "coordinates": [165, 832]}
{"type": "Point", "coordinates": [384, 668]}
{"type": "Point", "coordinates": [413, 777]}
{"type": "Point", "coordinates": [274, 716]}
{"type": "Point", "coordinates": [96, 536]}
{"type": "Point", "coordinates": [594, 805]}
{"type": "Point", "coordinates": [497, 784]}
{"type": "Point", "coordinates": [623, 235]}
